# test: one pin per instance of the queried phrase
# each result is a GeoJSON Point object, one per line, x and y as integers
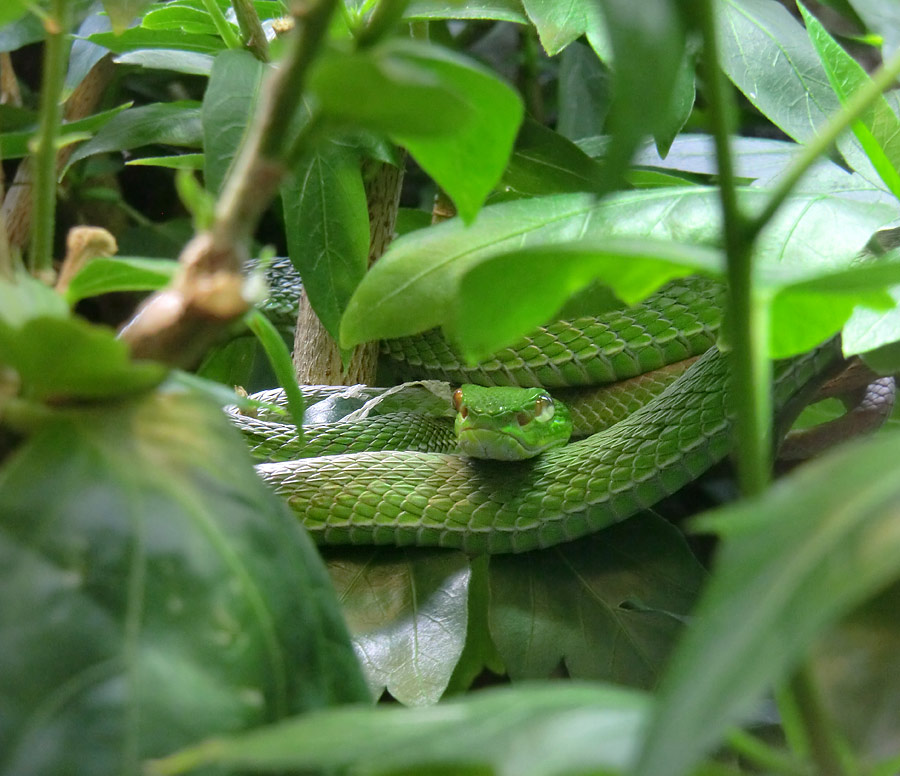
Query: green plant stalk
{"type": "Point", "coordinates": [747, 317]}
{"type": "Point", "coordinates": [386, 14]}
{"type": "Point", "coordinates": [251, 29]}
{"type": "Point", "coordinates": [765, 757]}
{"type": "Point", "coordinates": [223, 26]}
{"type": "Point", "coordinates": [261, 165]}
{"type": "Point", "coordinates": [883, 78]}
{"type": "Point", "coordinates": [56, 49]}
{"type": "Point", "coordinates": [820, 735]}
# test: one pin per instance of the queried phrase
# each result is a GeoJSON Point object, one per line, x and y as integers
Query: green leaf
{"type": "Point", "coordinates": [558, 24]}
{"type": "Point", "coordinates": [103, 275]}
{"type": "Point", "coordinates": [463, 140]}
{"type": "Point", "coordinates": [137, 38]}
{"type": "Point", "coordinates": [153, 592]}
{"type": "Point", "coordinates": [122, 12]}
{"type": "Point", "coordinates": [608, 607]}
{"type": "Point", "coordinates": [26, 298]}
{"type": "Point", "coordinates": [406, 610]}
{"type": "Point", "coordinates": [648, 41]}
{"type": "Point", "coordinates": [61, 359]}
{"type": "Point", "coordinates": [12, 11]}
{"type": "Point", "coordinates": [403, 86]}
{"type": "Point", "coordinates": [14, 145]}
{"type": "Point", "coordinates": [502, 10]}
{"type": "Point", "coordinates": [189, 62]}
{"type": "Point", "coordinates": [170, 123]}
{"type": "Point", "coordinates": [584, 92]}
{"type": "Point", "coordinates": [174, 16]}
{"type": "Point", "coordinates": [176, 162]}
{"type": "Point", "coordinates": [468, 163]}
{"type": "Point", "coordinates": [767, 54]}
{"type": "Point", "coordinates": [414, 286]}
{"type": "Point", "coordinates": [27, 29]}
{"type": "Point", "coordinates": [681, 105]}
{"type": "Point", "coordinates": [791, 565]}
{"type": "Point", "coordinates": [878, 130]}
{"type": "Point", "coordinates": [327, 224]}
{"type": "Point", "coordinates": [869, 329]}
{"type": "Point", "coordinates": [228, 104]}
{"type": "Point", "coordinates": [545, 162]}
{"type": "Point", "coordinates": [531, 730]}
{"type": "Point", "coordinates": [633, 268]}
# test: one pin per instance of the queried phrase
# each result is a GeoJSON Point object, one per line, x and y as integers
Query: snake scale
{"type": "Point", "coordinates": [395, 497]}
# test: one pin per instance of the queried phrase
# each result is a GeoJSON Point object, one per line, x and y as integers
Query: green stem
{"type": "Point", "coordinates": [765, 757]}
{"type": "Point", "coordinates": [56, 49]}
{"type": "Point", "coordinates": [251, 29]}
{"type": "Point", "coordinates": [748, 328]}
{"type": "Point", "coordinates": [224, 27]}
{"type": "Point", "coordinates": [883, 78]}
{"type": "Point", "coordinates": [386, 14]}
{"type": "Point", "coordinates": [821, 738]}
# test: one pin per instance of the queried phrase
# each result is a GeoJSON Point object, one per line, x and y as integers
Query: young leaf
{"type": "Point", "coordinates": [584, 92]}
{"type": "Point", "coordinates": [327, 224]}
{"type": "Point", "coordinates": [153, 593]}
{"type": "Point", "coordinates": [406, 611]}
{"type": "Point", "coordinates": [104, 275]}
{"type": "Point", "coordinates": [792, 564]}
{"type": "Point", "coordinates": [878, 131]}
{"type": "Point", "coordinates": [138, 38]}
{"type": "Point", "coordinates": [558, 24]}
{"type": "Point", "coordinates": [530, 730]}
{"type": "Point", "coordinates": [228, 104]}
{"type": "Point", "coordinates": [608, 607]}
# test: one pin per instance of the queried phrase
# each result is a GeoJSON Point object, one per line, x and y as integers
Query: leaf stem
{"type": "Point", "coordinates": [823, 140]}
{"type": "Point", "coordinates": [252, 32]}
{"type": "Point", "coordinates": [766, 757]}
{"type": "Point", "coordinates": [751, 370]}
{"type": "Point", "coordinates": [223, 26]}
{"type": "Point", "coordinates": [56, 48]}
{"type": "Point", "coordinates": [820, 736]}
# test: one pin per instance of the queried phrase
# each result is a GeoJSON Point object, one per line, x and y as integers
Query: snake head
{"type": "Point", "coordinates": [508, 424]}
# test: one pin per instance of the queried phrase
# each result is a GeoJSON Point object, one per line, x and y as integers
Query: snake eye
{"type": "Point", "coordinates": [543, 408]}
{"type": "Point", "coordinates": [523, 418]}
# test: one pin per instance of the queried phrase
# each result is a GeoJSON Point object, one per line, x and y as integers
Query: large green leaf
{"type": "Point", "coordinates": [406, 610]}
{"type": "Point", "coordinates": [138, 38]}
{"type": "Point", "coordinates": [327, 225]}
{"type": "Point", "coordinates": [12, 11]}
{"type": "Point", "coordinates": [415, 286]}
{"type": "Point", "coordinates": [14, 145]}
{"type": "Point", "coordinates": [153, 592]}
{"type": "Point", "coordinates": [767, 54]}
{"type": "Point", "coordinates": [791, 565]}
{"type": "Point", "coordinates": [189, 62]}
{"type": "Point", "coordinates": [878, 130]}
{"type": "Point", "coordinates": [607, 607]}
{"type": "Point", "coordinates": [170, 123]}
{"type": "Point", "coordinates": [531, 730]}
{"type": "Point", "coordinates": [881, 18]}
{"type": "Point", "coordinates": [228, 104]}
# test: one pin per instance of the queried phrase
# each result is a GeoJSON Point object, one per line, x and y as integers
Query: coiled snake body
{"type": "Point", "coordinates": [439, 499]}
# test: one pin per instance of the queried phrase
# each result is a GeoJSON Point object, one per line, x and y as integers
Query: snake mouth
{"type": "Point", "coordinates": [494, 444]}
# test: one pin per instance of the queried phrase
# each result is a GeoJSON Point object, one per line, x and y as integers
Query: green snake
{"type": "Point", "coordinates": [421, 497]}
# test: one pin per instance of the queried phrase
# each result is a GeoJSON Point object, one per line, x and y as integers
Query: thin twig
{"type": "Point", "coordinates": [56, 48]}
